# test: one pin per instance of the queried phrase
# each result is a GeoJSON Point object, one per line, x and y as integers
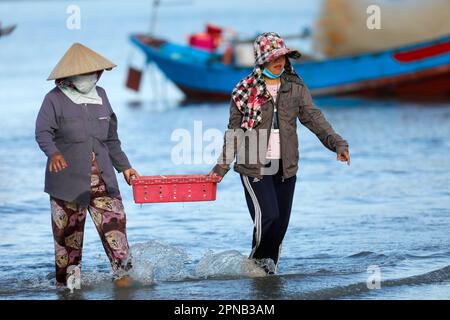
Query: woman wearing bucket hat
{"type": "Point", "coordinates": [262, 136]}
{"type": "Point", "coordinates": [76, 128]}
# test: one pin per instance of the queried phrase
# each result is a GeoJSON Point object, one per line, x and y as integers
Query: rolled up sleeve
{"type": "Point", "coordinates": [312, 118]}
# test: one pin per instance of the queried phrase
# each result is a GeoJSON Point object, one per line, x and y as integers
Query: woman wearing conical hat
{"type": "Point", "coordinates": [76, 128]}
{"type": "Point", "coordinates": [262, 136]}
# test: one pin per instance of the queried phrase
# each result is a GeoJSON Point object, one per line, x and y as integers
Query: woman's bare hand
{"type": "Point", "coordinates": [130, 174]}
{"type": "Point", "coordinates": [344, 156]}
{"type": "Point", "coordinates": [212, 173]}
{"type": "Point", "coordinates": [57, 162]}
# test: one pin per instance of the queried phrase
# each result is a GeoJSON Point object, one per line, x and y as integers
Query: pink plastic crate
{"type": "Point", "coordinates": [174, 188]}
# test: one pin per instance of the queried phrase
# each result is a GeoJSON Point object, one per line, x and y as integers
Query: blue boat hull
{"type": "Point", "coordinates": [418, 70]}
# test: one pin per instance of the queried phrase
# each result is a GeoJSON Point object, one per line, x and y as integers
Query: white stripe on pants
{"type": "Point", "coordinates": [257, 222]}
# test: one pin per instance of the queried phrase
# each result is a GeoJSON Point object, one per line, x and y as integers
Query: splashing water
{"type": "Point", "coordinates": [74, 278]}
{"type": "Point", "coordinates": [227, 263]}
{"type": "Point", "coordinates": [94, 278]}
{"type": "Point", "coordinates": [155, 260]}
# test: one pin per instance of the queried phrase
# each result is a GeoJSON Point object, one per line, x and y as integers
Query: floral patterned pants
{"type": "Point", "coordinates": [68, 221]}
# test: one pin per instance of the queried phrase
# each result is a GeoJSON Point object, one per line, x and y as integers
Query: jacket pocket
{"type": "Point", "coordinates": [102, 127]}
{"type": "Point", "coordinates": [291, 107]}
{"type": "Point", "coordinates": [73, 130]}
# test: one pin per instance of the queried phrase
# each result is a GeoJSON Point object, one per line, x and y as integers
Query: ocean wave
{"type": "Point", "coordinates": [352, 290]}
{"type": "Point", "coordinates": [365, 254]}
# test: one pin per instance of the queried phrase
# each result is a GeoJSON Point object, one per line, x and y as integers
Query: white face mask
{"type": "Point", "coordinates": [84, 83]}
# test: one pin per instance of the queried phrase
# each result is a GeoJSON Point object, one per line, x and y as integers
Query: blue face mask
{"type": "Point", "coordinates": [270, 75]}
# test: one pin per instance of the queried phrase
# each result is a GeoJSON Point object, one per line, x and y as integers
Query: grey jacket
{"type": "Point", "coordinates": [77, 130]}
{"type": "Point", "coordinates": [294, 102]}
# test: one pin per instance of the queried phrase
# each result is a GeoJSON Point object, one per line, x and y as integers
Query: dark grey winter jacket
{"type": "Point", "coordinates": [77, 130]}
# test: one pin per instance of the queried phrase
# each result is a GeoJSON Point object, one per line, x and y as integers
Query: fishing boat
{"type": "Point", "coordinates": [419, 71]}
{"type": "Point", "coordinates": [4, 31]}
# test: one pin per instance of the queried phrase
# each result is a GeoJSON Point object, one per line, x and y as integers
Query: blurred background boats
{"type": "Point", "coordinates": [408, 58]}
{"type": "Point", "coordinates": [4, 31]}
{"type": "Point", "coordinates": [341, 27]}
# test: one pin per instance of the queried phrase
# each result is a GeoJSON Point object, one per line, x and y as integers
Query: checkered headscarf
{"type": "Point", "coordinates": [251, 92]}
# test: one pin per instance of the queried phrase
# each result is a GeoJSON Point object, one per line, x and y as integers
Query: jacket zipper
{"type": "Point", "coordinates": [270, 126]}
{"type": "Point", "coordinates": [279, 130]}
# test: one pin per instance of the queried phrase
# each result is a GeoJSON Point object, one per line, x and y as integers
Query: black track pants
{"type": "Point", "coordinates": [269, 201]}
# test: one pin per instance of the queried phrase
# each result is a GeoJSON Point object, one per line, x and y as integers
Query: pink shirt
{"type": "Point", "coordinates": [273, 90]}
{"type": "Point", "coordinates": [273, 149]}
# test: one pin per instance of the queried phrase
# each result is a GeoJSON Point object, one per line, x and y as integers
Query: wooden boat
{"type": "Point", "coordinates": [7, 30]}
{"type": "Point", "coordinates": [417, 71]}
{"type": "Point", "coordinates": [341, 30]}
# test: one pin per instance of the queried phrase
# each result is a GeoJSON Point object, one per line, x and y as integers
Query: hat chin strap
{"type": "Point", "coordinates": [270, 75]}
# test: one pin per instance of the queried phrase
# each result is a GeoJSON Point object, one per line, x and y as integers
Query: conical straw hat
{"type": "Point", "coordinates": [79, 60]}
